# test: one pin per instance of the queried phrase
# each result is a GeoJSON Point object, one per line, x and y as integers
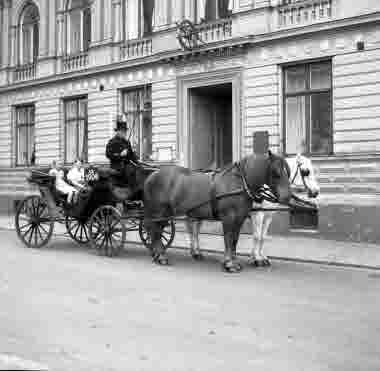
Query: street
{"type": "Point", "coordinates": [65, 308]}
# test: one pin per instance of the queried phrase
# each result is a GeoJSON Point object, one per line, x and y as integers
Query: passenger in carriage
{"type": "Point", "coordinates": [60, 183]}
{"type": "Point", "coordinates": [119, 150]}
{"type": "Point", "coordinates": [76, 175]}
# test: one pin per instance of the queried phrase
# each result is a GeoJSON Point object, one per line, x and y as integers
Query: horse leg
{"type": "Point", "coordinates": [257, 226]}
{"type": "Point", "coordinates": [230, 263]}
{"type": "Point", "coordinates": [158, 251]}
{"type": "Point", "coordinates": [193, 228]}
{"type": "Point", "coordinates": [266, 223]}
{"type": "Point", "coordinates": [235, 241]}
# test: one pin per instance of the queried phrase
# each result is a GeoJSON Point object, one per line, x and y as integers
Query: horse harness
{"type": "Point", "coordinates": [256, 197]}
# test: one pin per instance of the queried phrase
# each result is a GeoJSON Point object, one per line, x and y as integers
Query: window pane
{"type": "Point", "coordinates": [82, 108]}
{"type": "Point", "coordinates": [138, 109]}
{"type": "Point", "coordinates": [75, 31]}
{"type": "Point", "coordinates": [321, 126]}
{"type": "Point", "coordinates": [31, 146]}
{"type": "Point", "coordinates": [320, 75]}
{"type": "Point", "coordinates": [295, 79]}
{"type": "Point", "coordinates": [82, 150]}
{"type": "Point", "coordinates": [71, 141]}
{"type": "Point", "coordinates": [86, 28]}
{"type": "Point", "coordinates": [22, 155]}
{"type": "Point", "coordinates": [26, 44]}
{"type": "Point", "coordinates": [295, 125]}
{"type": "Point", "coordinates": [71, 110]}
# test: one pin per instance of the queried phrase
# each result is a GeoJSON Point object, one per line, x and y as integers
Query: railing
{"type": "Point", "coordinates": [136, 48]}
{"type": "Point", "coordinates": [299, 12]}
{"type": "Point", "coordinates": [74, 62]}
{"type": "Point", "coordinates": [25, 72]}
{"type": "Point", "coordinates": [215, 31]}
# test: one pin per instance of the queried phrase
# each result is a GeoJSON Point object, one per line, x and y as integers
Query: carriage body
{"type": "Point", "coordinates": [93, 219]}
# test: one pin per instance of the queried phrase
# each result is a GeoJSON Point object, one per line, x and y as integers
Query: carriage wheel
{"type": "Point", "coordinates": [167, 234]}
{"type": "Point", "coordinates": [33, 225]}
{"type": "Point", "coordinates": [107, 231]}
{"type": "Point", "coordinates": [78, 229]}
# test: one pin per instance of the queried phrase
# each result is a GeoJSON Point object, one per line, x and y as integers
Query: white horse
{"type": "Point", "coordinates": [302, 179]}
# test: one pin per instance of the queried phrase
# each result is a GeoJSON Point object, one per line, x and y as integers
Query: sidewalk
{"type": "Point", "coordinates": [278, 247]}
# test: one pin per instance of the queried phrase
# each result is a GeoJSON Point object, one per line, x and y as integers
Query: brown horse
{"type": "Point", "coordinates": [226, 196]}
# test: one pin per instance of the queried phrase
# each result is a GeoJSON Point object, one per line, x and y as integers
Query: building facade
{"type": "Point", "coordinates": [306, 71]}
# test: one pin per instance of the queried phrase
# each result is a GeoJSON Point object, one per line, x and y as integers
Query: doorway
{"type": "Point", "coordinates": [210, 119]}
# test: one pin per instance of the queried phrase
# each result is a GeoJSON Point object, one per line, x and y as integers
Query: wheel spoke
{"type": "Point", "coordinates": [31, 235]}
{"type": "Point", "coordinates": [164, 238]}
{"type": "Point", "coordinates": [39, 232]}
{"type": "Point", "coordinates": [27, 232]}
{"type": "Point", "coordinates": [81, 232]}
{"type": "Point", "coordinates": [44, 229]}
{"type": "Point", "coordinates": [85, 232]}
{"type": "Point", "coordinates": [76, 231]}
{"type": "Point", "coordinates": [24, 226]}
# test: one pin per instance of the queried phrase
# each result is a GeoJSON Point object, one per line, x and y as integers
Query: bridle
{"type": "Point", "coordinates": [303, 174]}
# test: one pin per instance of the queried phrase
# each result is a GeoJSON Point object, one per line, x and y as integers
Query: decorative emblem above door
{"type": "Point", "coordinates": [188, 35]}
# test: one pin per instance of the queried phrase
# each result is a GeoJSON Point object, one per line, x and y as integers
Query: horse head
{"type": "Point", "coordinates": [271, 170]}
{"type": "Point", "coordinates": [278, 177]}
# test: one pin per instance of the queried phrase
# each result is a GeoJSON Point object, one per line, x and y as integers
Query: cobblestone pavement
{"type": "Point", "coordinates": [65, 308]}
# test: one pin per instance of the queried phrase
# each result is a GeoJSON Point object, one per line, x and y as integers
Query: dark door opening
{"type": "Point", "coordinates": [211, 126]}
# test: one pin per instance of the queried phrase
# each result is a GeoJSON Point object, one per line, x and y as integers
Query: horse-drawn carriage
{"type": "Point", "coordinates": [170, 193]}
{"type": "Point", "coordinates": [94, 218]}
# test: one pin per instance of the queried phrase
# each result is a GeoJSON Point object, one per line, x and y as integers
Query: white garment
{"type": "Point", "coordinates": [60, 183]}
{"type": "Point", "coordinates": [76, 175]}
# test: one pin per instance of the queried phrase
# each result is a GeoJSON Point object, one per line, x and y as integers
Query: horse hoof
{"type": "Point", "coordinates": [161, 260]}
{"type": "Point", "coordinates": [231, 267]}
{"type": "Point", "coordinates": [257, 263]}
{"type": "Point", "coordinates": [197, 256]}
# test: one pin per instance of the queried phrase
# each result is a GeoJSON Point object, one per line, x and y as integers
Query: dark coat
{"type": "Point", "coordinates": [115, 146]}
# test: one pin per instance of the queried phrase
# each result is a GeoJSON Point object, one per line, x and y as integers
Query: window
{"type": "Point", "coordinates": [29, 35]}
{"type": "Point", "coordinates": [76, 135]}
{"type": "Point", "coordinates": [308, 109]}
{"type": "Point", "coordinates": [78, 26]}
{"type": "Point", "coordinates": [137, 106]}
{"type": "Point", "coordinates": [210, 10]}
{"type": "Point", "coordinates": [138, 18]}
{"type": "Point", "coordinates": [25, 147]}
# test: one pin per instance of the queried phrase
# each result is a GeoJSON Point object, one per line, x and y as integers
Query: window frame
{"type": "Point", "coordinates": [307, 93]}
{"type": "Point", "coordinates": [143, 87]}
{"type": "Point", "coordinates": [34, 28]}
{"type": "Point", "coordinates": [77, 99]}
{"type": "Point", "coordinates": [29, 151]}
{"type": "Point", "coordinates": [68, 26]}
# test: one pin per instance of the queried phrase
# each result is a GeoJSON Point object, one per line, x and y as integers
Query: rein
{"type": "Point", "coordinates": [298, 170]}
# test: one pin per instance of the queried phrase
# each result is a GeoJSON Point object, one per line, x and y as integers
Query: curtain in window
{"type": "Point", "coordinates": [150, 9]}
{"type": "Point", "coordinates": [201, 10]}
{"type": "Point", "coordinates": [320, 119]}
{"type": "Point", "coordinates": [75, 31]}
{"type": "Point", "coordinates": [25, 134]}
{"type": "Point", "coordinates": [137, 108]}
{"type": "Point", "coordinates": [225, 7]}
{"type": "Point", "coordinates": [82, 130]}
{"type": "Point", "coordinates": [26, 44]}
{"type": "Point", "coordinates": [86, 28]}
{"type": "Point", "coordinates": [35, 41]}
{"type": "Point", "coordinates": [189, 9]}
{"type": "Point", "coordinates": [295, 125]}
{"type": "Point", "coordinates": [133, 19]}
